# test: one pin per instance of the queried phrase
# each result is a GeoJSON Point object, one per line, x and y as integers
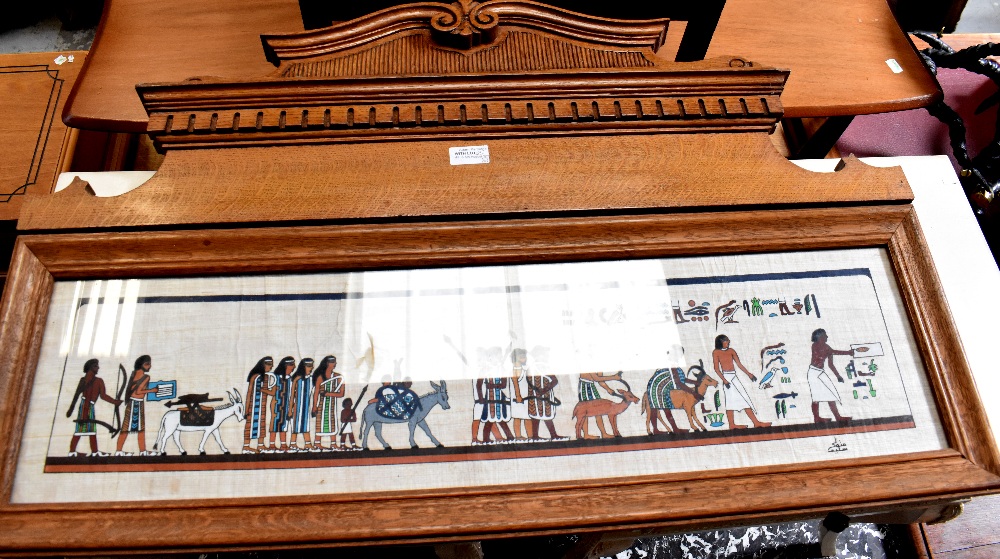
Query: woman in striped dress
{"type": "Point", "coordinates": [328, 385]}
{"type": "Point", "coordinates": [256, 404]}
{"type": "Point", "coordinates": [281, 408]}
{"type": "Point", "coordinates": [302, 387]}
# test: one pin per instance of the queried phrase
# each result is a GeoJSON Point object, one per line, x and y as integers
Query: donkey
{"type": "Point", "coordinates": [170, 425]}
{"type": "Point", "coordinates": [371, 418]}
{"type": "Point", "coordinates": [679, 399]}
{"type": "Point", "coordinates": [601, 407]}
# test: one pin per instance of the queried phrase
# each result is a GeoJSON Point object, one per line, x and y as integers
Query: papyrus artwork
{"type": "Point", "coordinates": [253, 386]}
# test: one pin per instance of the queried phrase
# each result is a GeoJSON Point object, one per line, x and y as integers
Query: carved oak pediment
{"type": "Point", "coordinates": [498, 68]}
{"type": "Point", "coordinates": [373, 140]}
{"type": "Point", "coordinates": [496, 36]}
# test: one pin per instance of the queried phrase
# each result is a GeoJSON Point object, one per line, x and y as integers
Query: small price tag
{"type": "Point", "coordinates": [469, 155]}
{"type": "Point", "coordinates": [894, 66]}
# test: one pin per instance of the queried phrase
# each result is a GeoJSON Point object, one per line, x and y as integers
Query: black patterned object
{"type": "Point", "coordinates": [793, 540]}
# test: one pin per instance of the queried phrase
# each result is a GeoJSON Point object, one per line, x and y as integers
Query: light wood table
{"type": "Point", "coordinates": [168, 41]}
{"type": "Point", "coordinates": [33, 88]}
{"type": "Point", "coordinates": [836, 52]}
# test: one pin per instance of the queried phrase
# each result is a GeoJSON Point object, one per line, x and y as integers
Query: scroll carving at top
{"type": "Point", "coordinates": [466, 36]}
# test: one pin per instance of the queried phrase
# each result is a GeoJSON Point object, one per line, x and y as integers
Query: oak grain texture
{"type": "Point", "coordinates": [33, 89]}
{"type": "Point", "coordinates": [23, 309]}
{"type": "Point", "coordinates": [415, 179]}
{"type": "Point", "coordinates": [937, 335]}
{"type": "Point", "coordinates": [672, 502]}
{"type": "Point", "coordinates": [297, 249]}
{"type": "Point", "coordinates": [152, 42]}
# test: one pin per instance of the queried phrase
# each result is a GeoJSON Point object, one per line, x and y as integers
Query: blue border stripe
{"type": "Point", "coordinates": [775, 276]}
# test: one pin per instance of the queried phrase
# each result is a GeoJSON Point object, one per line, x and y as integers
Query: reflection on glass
{"type": "Point", "coordinates": [463, 323]}
{"type": "Point", "coordinates": [67, 339]}
{"type": "Point", "coordinates": [104, 335]}
{"type": "Point", "coordinates": [87, 332]}
{"type": "Point", "coordinates": [127, 320]}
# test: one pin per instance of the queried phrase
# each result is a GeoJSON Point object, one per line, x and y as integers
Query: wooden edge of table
{"type": "Point", "coordinates": [125, 52]}
{"type": "Point", "coordinates": [140, 41]}
{"type": "Point", "coordinates": [33, 91]}
{"type": "Point", "coordinates": [837, 53]}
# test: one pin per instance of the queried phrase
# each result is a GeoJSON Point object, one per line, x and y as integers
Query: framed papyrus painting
{"type": "Point", "coordinates": [451, 373]}
{"type": "Point", "coordinates": [332, 333]}
{"type": "Point", "coordinates": [836, 368]}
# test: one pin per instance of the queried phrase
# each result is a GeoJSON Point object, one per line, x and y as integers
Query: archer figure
{"type": "Point", "coordinates": [90, 388]}
{"type": "Point", "coordinates": [135, 409]}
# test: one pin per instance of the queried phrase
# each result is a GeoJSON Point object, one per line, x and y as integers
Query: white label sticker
{"type": "Point", "coordinates": [469, 155]}
{"type": "Point", "coordinates": [894, 66]}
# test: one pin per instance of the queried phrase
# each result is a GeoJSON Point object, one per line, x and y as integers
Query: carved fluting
{"type": "Point", "coordinates": [358, 121]}
{"type": "Point", "coordinates": [465, 25]}
{"type": "Point", "coordinates": [416, 55]}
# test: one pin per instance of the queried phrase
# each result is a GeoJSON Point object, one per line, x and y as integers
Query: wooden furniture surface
{"type": "Point", "coordinates": [699, 20]}
{"type": "Point", "coordinates": [342, 98]}
{"type": "Point", "coordinates": [341, 171]}
{"type": "Point", "coordinates": [140, 42]}
{"type": "Point", "coordinates": [340, 127]}
{"type": "Point", "coordinates": [411, 518]}
{"type": "Point", "coordinates": [973, 535]}
{"type": "Point", "coordinates": [920, 481]}
{"type": "Point", "coordinates": [33, 139]}
{"type": "Point", "coordinates": [835, 51]}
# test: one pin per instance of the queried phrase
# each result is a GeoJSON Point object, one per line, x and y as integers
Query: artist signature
{"type": "Point", "coordinates": [837, 446]}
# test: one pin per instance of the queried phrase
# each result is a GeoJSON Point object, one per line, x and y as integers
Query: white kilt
{"type": "Point", "coordinates": [821, 386]}
{"type": "Point", "coordinates": [736, 396]}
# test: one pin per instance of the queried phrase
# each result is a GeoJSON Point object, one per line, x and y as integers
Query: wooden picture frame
{"type": "Point", "coordinates": [671, 502]}
{"type": "Point", "coordinates": [598, 150]}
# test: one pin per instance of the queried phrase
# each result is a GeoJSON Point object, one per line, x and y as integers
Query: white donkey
{"type": "Point", "coordinates": [171, 425]}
